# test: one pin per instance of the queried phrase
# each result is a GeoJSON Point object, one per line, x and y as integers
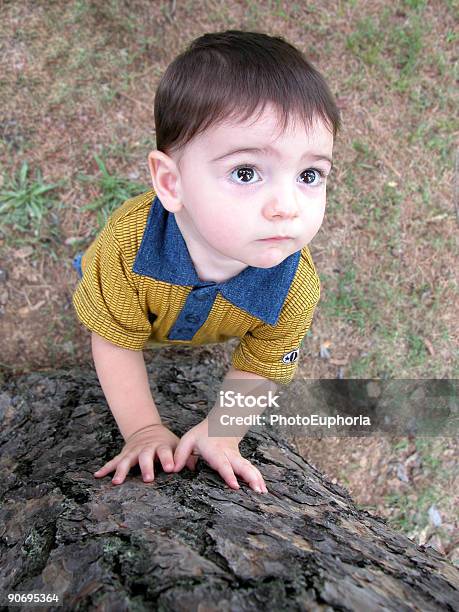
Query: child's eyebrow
{"type": "Point", "coordinates": [271, 151]}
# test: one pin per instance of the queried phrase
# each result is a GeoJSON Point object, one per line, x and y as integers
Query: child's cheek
{"type": "Point", "coordinates": [223, 231]}
{"type": "Point", "coordinates": [225, 228]}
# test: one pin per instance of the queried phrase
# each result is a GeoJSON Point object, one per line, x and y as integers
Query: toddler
{"type": "Point", "coordinates": [218, 248]}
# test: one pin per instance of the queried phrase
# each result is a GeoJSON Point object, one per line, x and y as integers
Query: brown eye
{"type": "Point", "coordinates": [311, 174]}
{"type": "Point", "coordinates": [244, 173]}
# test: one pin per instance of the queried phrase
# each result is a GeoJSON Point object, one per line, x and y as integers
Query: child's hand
{"type": "Point", "coordinates": [222, 454]}
{"type": "Point", "coordinates": [143, 447]}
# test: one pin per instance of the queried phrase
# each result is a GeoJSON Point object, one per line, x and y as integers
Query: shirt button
{"type": "Point", "coordinates": [191, 318]}
{"type": "Point", "coordinates": [183, 331]}
{"type": "Point", "coordinates": [199, 297]}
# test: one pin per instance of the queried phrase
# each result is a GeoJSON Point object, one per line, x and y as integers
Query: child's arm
{"type": "Point", "coordinates": [124, 381]}
{"type": "Point", "coordinates": [222, 453]}
{"type": "Point", "coordinates": [123, 378]}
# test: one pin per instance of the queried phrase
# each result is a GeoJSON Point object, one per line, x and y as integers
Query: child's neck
{"type": "Point", "coordinates": [210, 265]}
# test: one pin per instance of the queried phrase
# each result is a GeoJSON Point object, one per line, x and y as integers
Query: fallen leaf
{"type": "Point", "coordinates": [24, 252]}
{"type": "Point", "coordinates": [429, 346]}
{"type": "Point", "coordinates": [437, 218]}
{"type": "Point", "coordinates": [434, 516]}
{"type": "Point", "coordinates": [324, 352]}
{"type": "Point", "coordinates": [38, 305]}
{"type": "Point", "coordinates": [436, 543]}
{"type": "Point", "coordinates": [401, 473]}
{"type": "Point", "coordinates": [425, 535]}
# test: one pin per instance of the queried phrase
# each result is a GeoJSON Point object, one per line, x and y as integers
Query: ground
{"type": "Point", "coordinates": [77, 100]}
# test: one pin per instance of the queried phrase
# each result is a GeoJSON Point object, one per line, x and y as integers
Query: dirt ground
{"type": "Point", "coordinates": [65, 96]}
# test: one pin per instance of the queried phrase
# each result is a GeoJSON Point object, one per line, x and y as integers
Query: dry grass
{"type": "Point", "coordinates": [79, 79]}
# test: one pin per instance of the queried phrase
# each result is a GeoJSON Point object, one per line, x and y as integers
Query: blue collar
{"type": "Point", "coordinates": [164, 256]}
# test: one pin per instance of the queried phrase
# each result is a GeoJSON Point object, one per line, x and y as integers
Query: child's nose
{"type": "Point", "coordinates": [285, 207]}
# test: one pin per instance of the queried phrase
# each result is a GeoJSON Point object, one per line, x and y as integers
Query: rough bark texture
{"type": "Point", "coordinates": [185, 541]}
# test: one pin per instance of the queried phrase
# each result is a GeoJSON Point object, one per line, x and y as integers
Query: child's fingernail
{"type": "Point", "coordinates": [257, 489]}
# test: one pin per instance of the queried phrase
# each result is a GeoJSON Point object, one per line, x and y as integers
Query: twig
{"type": "Point", "coordinates": [135, 101]}
{"type": "Point", "coordinates": [170, 14]}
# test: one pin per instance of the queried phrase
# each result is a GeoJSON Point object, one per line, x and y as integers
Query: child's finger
{"type": "Point", "coordinates": [165, 456]}
{"type": "Point", "coordinates": [146, 465]}
{"type": "Point", "coordinates": [223, 467]}
{"type": "Point", "coordinates": [123, 468]}
{"type": "Point", "coordinates": [182, 452]}
{"type": "Point", "coordinates": [252, 475]}
{"type": "Point", "coordinates": [108, 467]}
{"type": "Point", "coordinates": [249, 473]}
{"type": "Point", "coordinates": [191, 462]}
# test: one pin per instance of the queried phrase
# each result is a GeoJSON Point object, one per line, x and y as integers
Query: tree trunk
{"type": "Point", "coordinates": [186, 541]}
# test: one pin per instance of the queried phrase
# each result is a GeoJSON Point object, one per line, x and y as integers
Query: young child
{"type": "Point", "coordinates": [244, 134]}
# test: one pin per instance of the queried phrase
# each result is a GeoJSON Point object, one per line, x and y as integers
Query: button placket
{"type": "Point", "coordinates": [193, 313]}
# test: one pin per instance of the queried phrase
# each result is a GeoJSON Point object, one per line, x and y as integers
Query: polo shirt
{"type": "Point", "coordinates": [139, 289]}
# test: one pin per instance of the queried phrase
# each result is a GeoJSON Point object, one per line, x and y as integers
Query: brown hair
{"type": "Point", "coordinates": [229, 74]}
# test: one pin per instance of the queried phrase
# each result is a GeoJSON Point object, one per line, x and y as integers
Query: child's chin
{"type": "Point", "coordinates": [269, 260]}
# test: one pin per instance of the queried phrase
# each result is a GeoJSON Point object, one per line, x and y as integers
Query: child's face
{"type": "Point", "coordinates": [234, 204]}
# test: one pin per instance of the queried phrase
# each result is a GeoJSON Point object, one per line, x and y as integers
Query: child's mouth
{"type": "Point", "coordinates": [275, 239]}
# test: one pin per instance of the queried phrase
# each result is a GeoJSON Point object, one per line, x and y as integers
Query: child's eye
{"type": "Point", "coordinates": [245, 174]}
{"type": "Point", "coordinates": [309, 173]}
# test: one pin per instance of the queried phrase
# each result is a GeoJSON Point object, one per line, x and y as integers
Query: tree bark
{"type": "Point", "coordinates": [186, 541]}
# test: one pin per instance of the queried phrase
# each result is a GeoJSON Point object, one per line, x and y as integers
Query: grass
{"type": "Point", "coordinates": [394, 50]}
{"type": "Point", "coordinates": [398, 347]}
{"type": "Point", "coordinates": [347, 299]}
{"type": "Point", "coordinates": [411, 511]}
{"type": "Point", "coordinates": [366, 41]}
{"type": "Point", "coordinates": [407, 505]}
{"type": "Point", "coordinates": [29, 215]}
{"type": "Point", "coordinates": [114, 191]}
{"type": "Point", "coordinates": [406, 44]}
{"type": "Point", "coordinates": [411, 506]}
{"type": "Point", "coordinates": [26, 205]}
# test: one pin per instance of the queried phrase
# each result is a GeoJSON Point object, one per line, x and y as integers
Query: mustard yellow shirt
{"type": "Point", "coordinates": [139, 289]}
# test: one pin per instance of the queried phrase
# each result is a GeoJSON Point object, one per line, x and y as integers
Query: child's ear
{"type": "Point", "coordinates": [165, 177]}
